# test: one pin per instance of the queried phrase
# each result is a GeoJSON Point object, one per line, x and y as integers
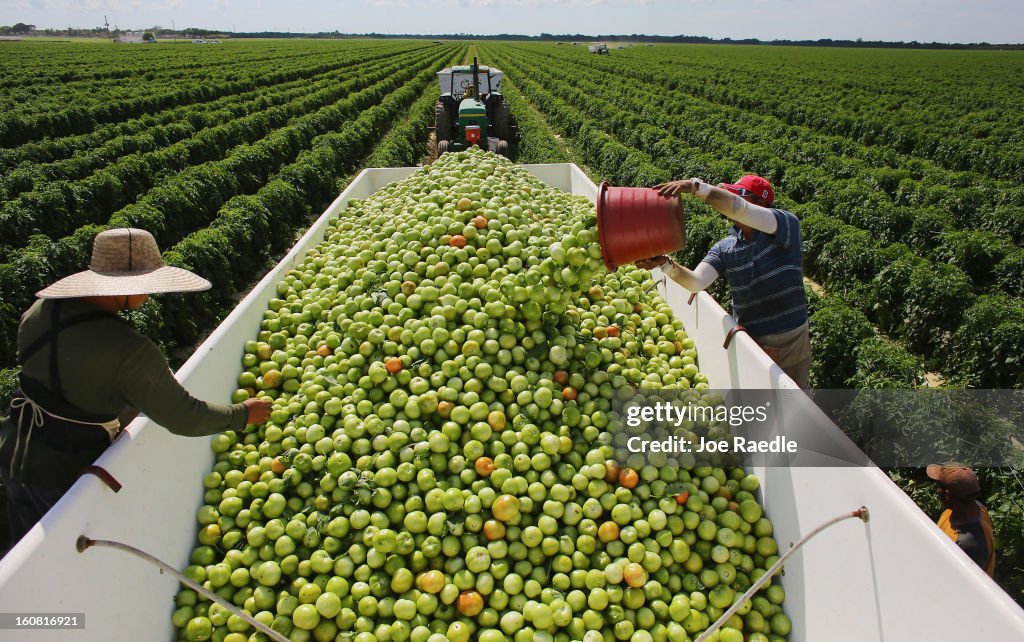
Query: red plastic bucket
{"type": "Point", "coordinates": [636, 223]}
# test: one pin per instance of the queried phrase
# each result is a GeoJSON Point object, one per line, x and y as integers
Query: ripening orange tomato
{"type": "Point", "coordinates": [470, 603]}
{"type": "Point", "coordinates": [444, 408]}
{"type": "Point", "coordinates": [493, 529]}
{"type": "Point", "coordinates": [628, 478]}
{"type": "Point", "coordinates": [608, 531]}
{"type": "Point", "coordinates": [484, 466]}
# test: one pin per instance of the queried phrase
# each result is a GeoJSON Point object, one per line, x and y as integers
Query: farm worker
{"type": "Point", "coordinates": [965, 520]}
{"type": "Point", "coordinates": [83, 367]}
{"type": "Point", "coordinates": [762, 258]}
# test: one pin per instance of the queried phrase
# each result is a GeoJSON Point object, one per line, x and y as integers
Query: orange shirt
{"type": "Point", "coordinates": [953, 532]}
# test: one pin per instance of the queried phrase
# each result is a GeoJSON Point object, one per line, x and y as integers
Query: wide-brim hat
{"type": "Point", "coordinates": [125, 262]}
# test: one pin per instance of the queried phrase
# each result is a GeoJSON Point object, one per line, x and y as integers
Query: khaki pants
{"type": "Point", "coordinates": [792, 351]}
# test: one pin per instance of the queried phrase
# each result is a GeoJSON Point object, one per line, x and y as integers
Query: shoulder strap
{"type": "Point", "coordinates": [50, 337]}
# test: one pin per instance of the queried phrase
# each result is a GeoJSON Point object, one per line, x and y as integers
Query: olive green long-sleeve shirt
{"type": "Point", "coordinates": [107, 365]}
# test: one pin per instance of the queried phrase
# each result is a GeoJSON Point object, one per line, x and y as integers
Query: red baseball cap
{"type": "Point", "coordinates": [755, 185]}
{"type": "Point", "coordinates": [957, 478]}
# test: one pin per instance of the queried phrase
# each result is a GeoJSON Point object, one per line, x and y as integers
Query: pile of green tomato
{"type": "Point", "coordinates": [438, 464]}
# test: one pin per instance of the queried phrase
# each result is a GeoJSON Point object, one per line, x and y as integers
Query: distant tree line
{"type": "Point", "coordinates": [16, 29]}
{"type": "Point", "coordinates": [580, 37]}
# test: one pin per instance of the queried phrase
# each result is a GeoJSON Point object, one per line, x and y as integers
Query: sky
{"type": "Point", "coordinates": [962, 21]}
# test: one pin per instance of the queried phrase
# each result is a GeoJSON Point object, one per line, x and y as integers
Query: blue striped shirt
{"type": "Point", "coordinates": [766, 276]}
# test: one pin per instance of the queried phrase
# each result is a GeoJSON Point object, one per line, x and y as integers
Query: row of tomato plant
{"type": "Point", "coordinates": [201, 86]}
{"type": "Point", "coordinates": [62, 207]}
{"type": "Point", "coordinates": [49, 150]}
{"type": "Point", "coordinates": [51, 70]}
{"type": "Point", "coordinates": [43, 64]}
{"type": "Point", "coordinates": [31, 170]}
{"type": "Point", "coordinates": [958, 110]}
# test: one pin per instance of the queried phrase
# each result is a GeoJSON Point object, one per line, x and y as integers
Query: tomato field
{"type": "Point", "coordinates": [906, 169]}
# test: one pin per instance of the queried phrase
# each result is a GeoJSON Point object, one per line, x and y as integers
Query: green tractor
{"type": "Point", "coordinates": [471, 110]}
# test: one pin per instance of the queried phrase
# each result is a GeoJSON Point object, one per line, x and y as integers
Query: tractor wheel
{"type": "Point", "coordinates": [442, 147]}
{"type": "Point", "coordinates": [502, 125]}
{"type": "Point", "coordinates": [501, 148]}
{"type": "Point", "coordinates": [443, 121]}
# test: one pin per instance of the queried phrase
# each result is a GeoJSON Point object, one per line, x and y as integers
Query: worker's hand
{"type": "Point", "coordinates": [653, 262]}
{"type": "Point", "coordinates": [258, 409]}
{"type": "Point", "coordinates": [675, 188]}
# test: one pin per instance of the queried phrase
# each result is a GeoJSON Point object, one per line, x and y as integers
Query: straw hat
{"type": "Point", "coordinates": [125, 261]}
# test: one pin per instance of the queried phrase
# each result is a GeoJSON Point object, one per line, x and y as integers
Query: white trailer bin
{"type": "Point", "coordinates": [894, 578]}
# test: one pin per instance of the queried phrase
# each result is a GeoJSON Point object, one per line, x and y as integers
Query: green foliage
{"type": "Point", "coordinates": [975, 252]}
{"type": "Point", "coordinates": [987, 347]}
{"type": "Point", "coordinates": [535, 142]}
{"type": "Point", "coordinates": [8, 386]}
{"type": "Point", "coordinates": [836, 332]}
{"type": "Point", "coordinates": [936, 296]}
{"type": "Point", "coordinates": [883, 363]}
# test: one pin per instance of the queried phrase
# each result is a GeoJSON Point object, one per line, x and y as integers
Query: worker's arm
{"type": "Point", "coordinates": [146, 382]}
{"type": "Point", "coordinates": [732, 206]}
{"type": "Point", "coordinates": [693, 280]}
